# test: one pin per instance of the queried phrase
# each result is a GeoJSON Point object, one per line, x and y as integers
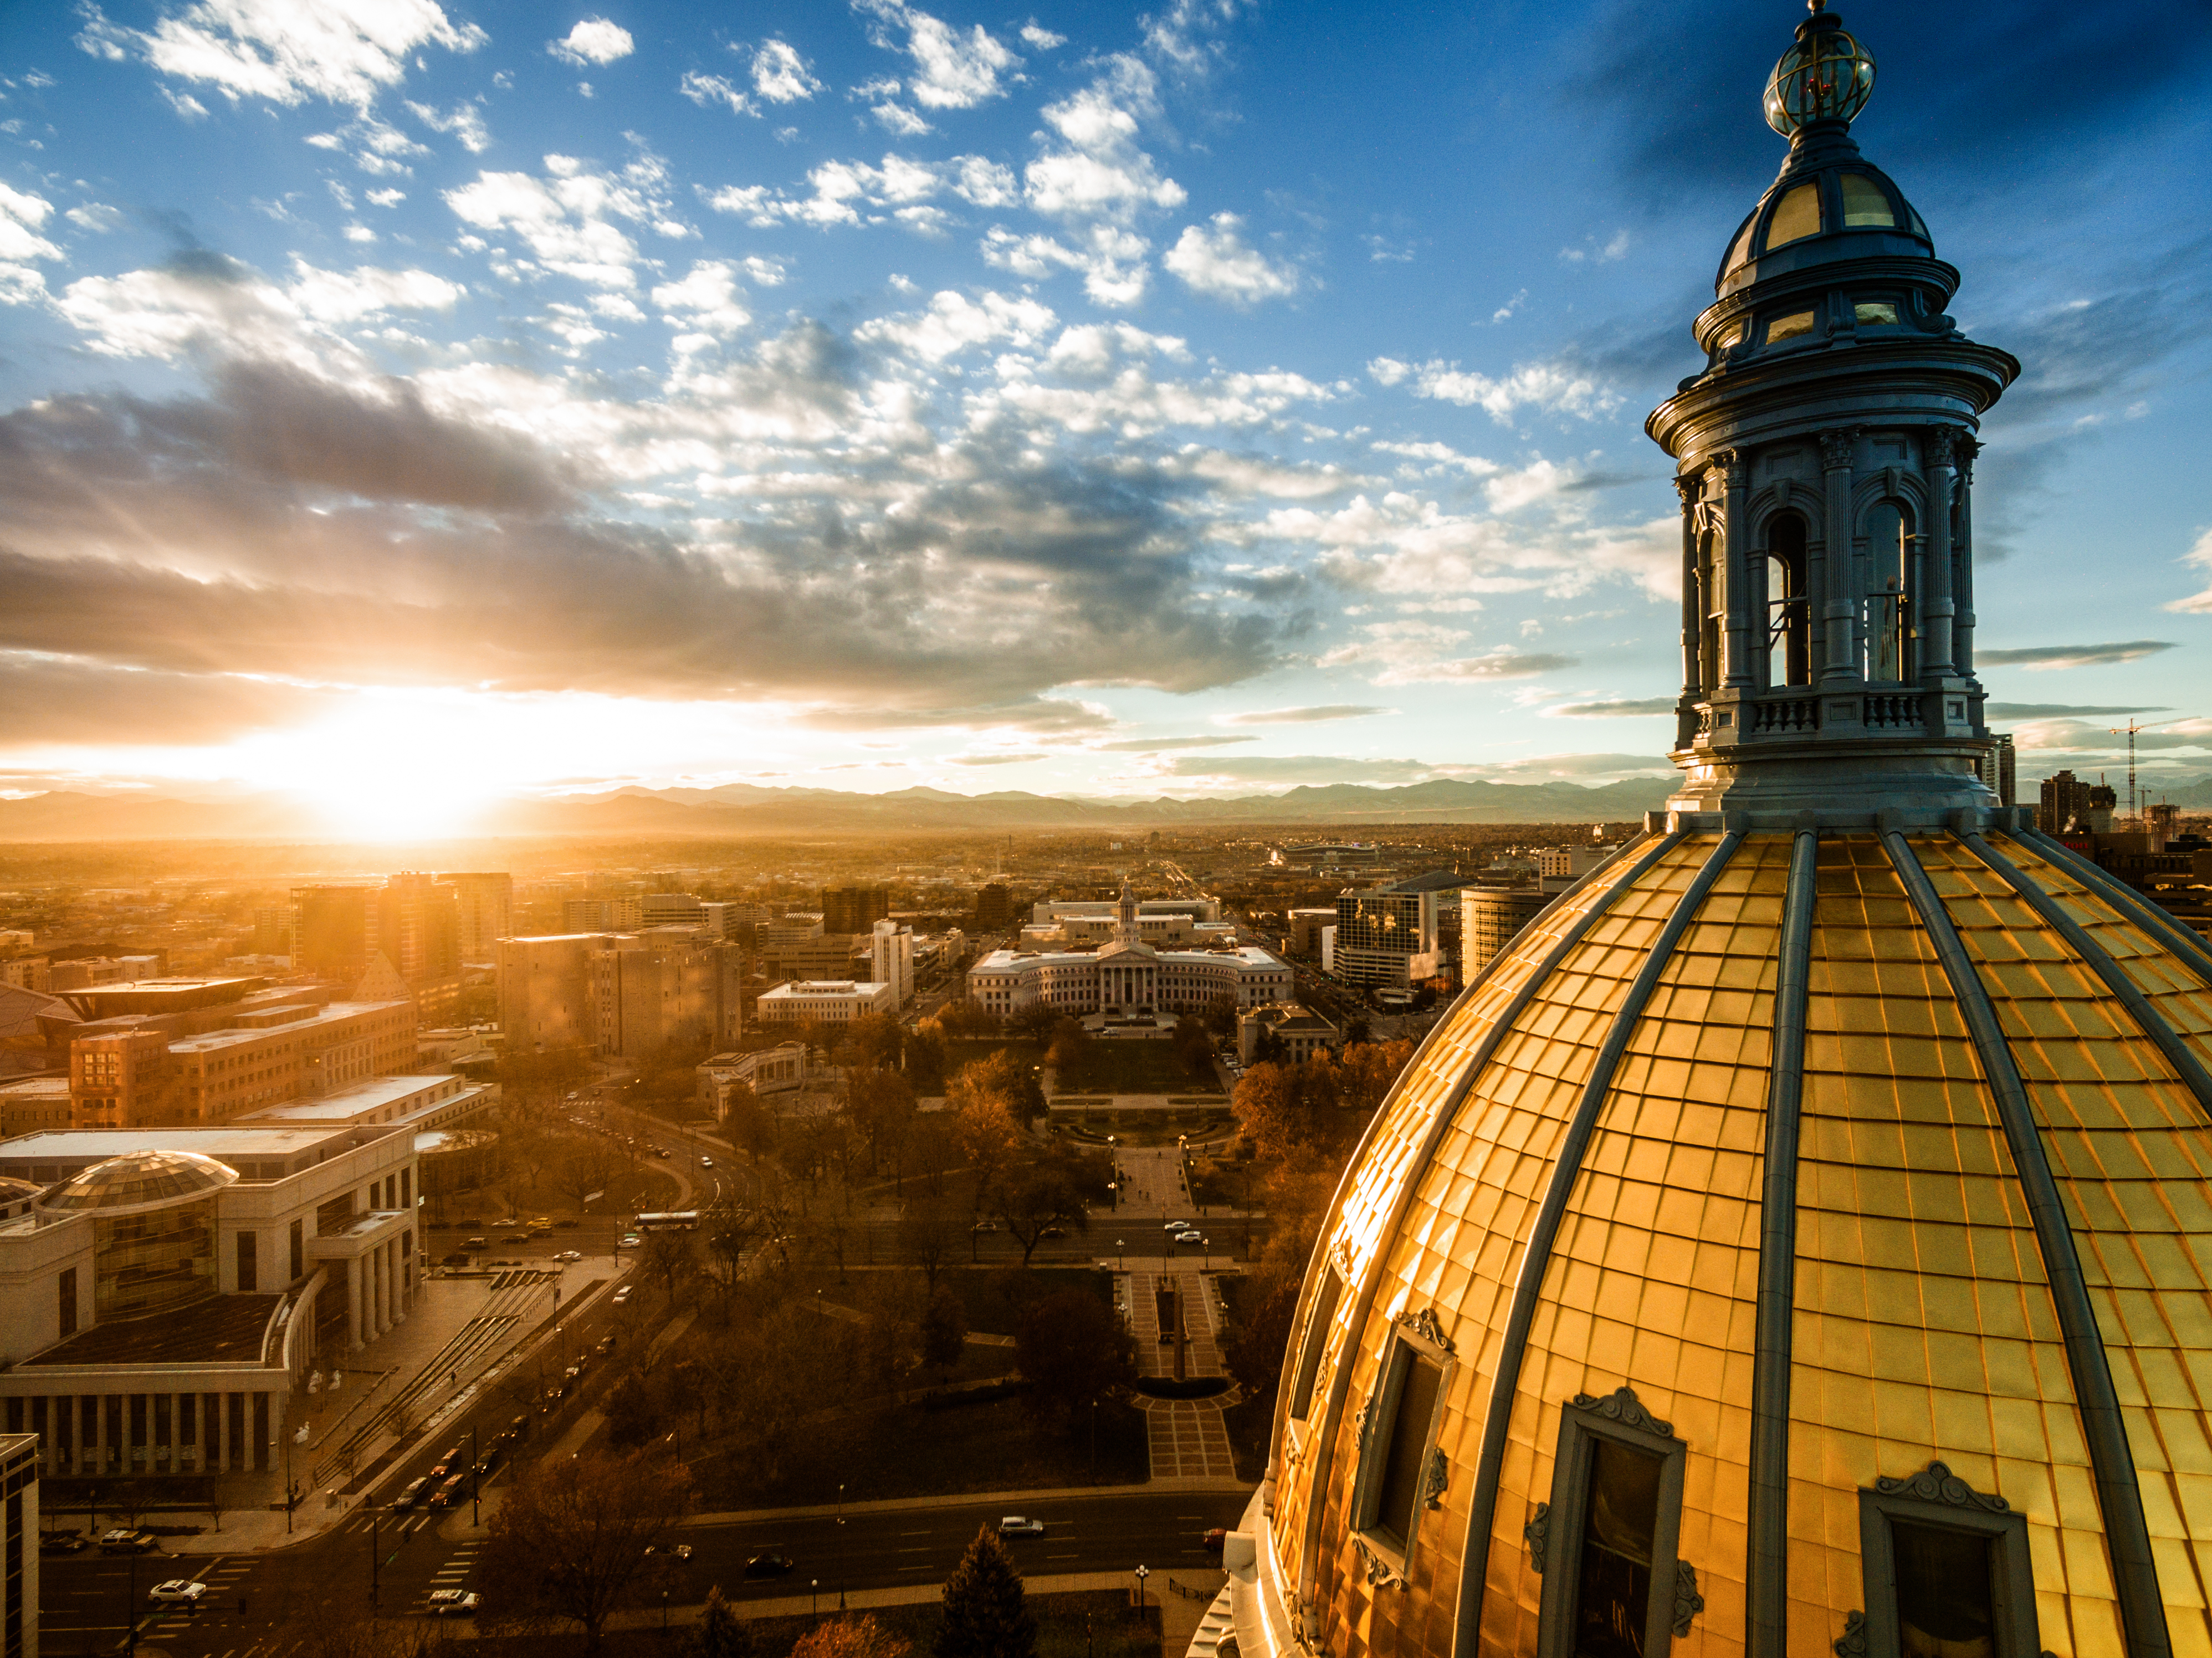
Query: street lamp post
{"type": "Point", "coordinates": [815, 1610]}
{"type": "Point", "coordinates": [1142, 1574]}
{"type": "Point", "coordinates": [476, 1480]}
{"type": "Point", "coordinates": [841, 1547]}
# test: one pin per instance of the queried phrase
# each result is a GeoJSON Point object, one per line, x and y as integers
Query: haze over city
{"type": "Point", "coordinates": [414, 406]}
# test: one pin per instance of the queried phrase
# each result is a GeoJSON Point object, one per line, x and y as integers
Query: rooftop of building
{"type": "Point", "coordinates": [827, 988]}
{"type": "Point", "coordinates": [169, 995]}
{"type": "Point", "coordinates": [221, 1330]}
{"type": "Point", "coordinates": [328, 1013]}
{"type": "Point", "coordinates": [365, 1100]}
{"type": "Point", "coordinates": [144, 1179]}
{"type": "Point", "coordinates": [99, 1145]}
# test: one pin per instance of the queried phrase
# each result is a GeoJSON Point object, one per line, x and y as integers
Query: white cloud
{"type": "Point", "coordinates": [896, 118]}
{"type": "Point", "coordinates": [463, 121]}
{"type": "Point", "coordinates": [1216, 261]}
{"type": "Point", "coordinates": [185, 103]}
{"type": "Point", "coordinates": [1617, 248]}
{"type": "Point", "coordinates": [1111, 259]}
{"type": "Point", "coordinates": [168, 312]}
{"type": "Point", "coordinates": [1098, 171]}
{"type": "Point", "coordinates": [706, 89]}
{"type": "Point", "coordinates": [953, 323]}
{"type": "Point", "coordinates": [594, 40]}
{"type": "Point", "coordinates": [780, 75]}
{"type": "Point", "coordinates": [854, 192]}
{"type": "Point", "coordinates": [94, 216]}
{"type": "Point", "coordinates": [567, 216]}
{"type": "Point", "coordinates": [286, 50]}
{"type": "Point", "coordinates": [2200, 554]}
{"type": "Point", "coordinates": [377, 146]}
{"type": "Point", "coordinates": [359, 233]}
{"type": "Point", "coordinates": [388, 197]}
{"type": "Point", "coordinates": [952, 70]}
{"type": "Point", "coordinates": [705, 301]}
{"type": "Point", "coordinates": [23, 217]}
{"type": "Point", "coordinates": [1043, 39]}
{"type": "Point", "coordinates": [1547, 386]}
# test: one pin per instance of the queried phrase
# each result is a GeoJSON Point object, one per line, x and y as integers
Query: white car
{"type": "Point", "coordinates": [177, 1592]}
{"type": "Point", "coordinates": [569, 1255]}
{"type": "Point", "coordinates": [706, 1163]}
{"type": "Point", "coordinates": [1015, 1525]}
{"type": "Point", "coordinates": [1194, 1236]}
{"type": "Point", "coordinates": [452, 1603]}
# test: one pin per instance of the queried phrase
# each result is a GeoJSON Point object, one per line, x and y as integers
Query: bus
{"type": "Point", "coordinates": [674, 1220]}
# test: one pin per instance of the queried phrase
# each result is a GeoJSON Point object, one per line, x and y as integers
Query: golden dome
{"type": "Point", "coordinates": [1852, 1181]}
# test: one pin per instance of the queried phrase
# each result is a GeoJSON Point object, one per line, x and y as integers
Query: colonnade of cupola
{"type": "Point", "coordinates": [1828, 589]}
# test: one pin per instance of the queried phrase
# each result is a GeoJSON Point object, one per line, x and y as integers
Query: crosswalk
{"type": "Point", "coordinates": [387, 1525]}
{"type": "Point", "coordinates": [454, 1574]}
{"type": "Point", "coordinates": [222, 1574]}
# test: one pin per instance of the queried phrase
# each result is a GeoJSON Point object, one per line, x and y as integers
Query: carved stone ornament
{"type": "Point", "coordinates": [1853, 1642]}
{"type": "Point", "coordinates": [1622, 1405]}
{"type": "Point", "coordinates": [1734, 462]}
{"type": "Point", "coordinates": [1936, 1484]}
{"type": "Point", "coordinates": [1537, 1531]}
{"type": "Point", "coordinates": [1691, 487]}
{"type": "Point", "coordinates": [1379, 1570]}
{"type": "Point", "coordinates": [1359, 1417]}
{"type": "Point", "coordinates": [1942, 446]}
{"type": "Point", "coordinates": [1836, 446]}
{"type": "Point", "coordinates": [1339, 1255]}
{"type": "Point", "coordinates": [1688, 1603]}
{"type": "Point", "coordinates": [1439, 1477]}
{"type": "Point", "coordinates": [1426, 1325]}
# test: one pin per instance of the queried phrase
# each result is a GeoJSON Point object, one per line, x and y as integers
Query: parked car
{"type": "Point", "coordinates": [411, 1495]}
{"type": "Point", "coordinates": [62, 1542]}
{"type": "Point", "coordinates": [769, 1565]}
{"type": "Point", "coordinates": [1016, 1525]}
{"type": "Point", "coordinates": [177, 1592]}
{"type": "Point", "coordinates": [453, 1603]}
{"type": "Point", "coordinates": [123, 1541]}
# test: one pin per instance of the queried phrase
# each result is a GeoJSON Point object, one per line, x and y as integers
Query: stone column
{"type": "Point", "coordinates": [100, 1433]}
{"type": "Point", "coordinates": [1963, 451]}
{"type": "Point", "coordinates": [1938, 608]}
{"type": "Point", "coordinates": [222, 1432]}
{"type": "Point", "coordinates": [1735, 565]}
{"type": "Point", "coordinates": [1841, 593]}
{"type": "Point", "coordinates": [355, 1270]}
{"type": "Point", "coordinates": [176, 1433]}
{"type": "Point", "coordinates": [1690, 490]}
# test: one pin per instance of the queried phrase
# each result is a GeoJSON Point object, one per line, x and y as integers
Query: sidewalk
{"type": "Point", "coordinates": [473, 1329]}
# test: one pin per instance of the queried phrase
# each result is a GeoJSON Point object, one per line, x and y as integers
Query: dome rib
{"type": "Point", "coordinates": [1446, 1113]}
{"type": "Point", "coordinates": [1536, 1254]}
{"type": "Point", "coordinates": [2153, 1025]}
{"type": "Point", "coordinates": [1766, 1525]}
{"type": "Point", "coordinates": [2131, 904]}
{"type": "Point", "coordinates": [2112, 1463]}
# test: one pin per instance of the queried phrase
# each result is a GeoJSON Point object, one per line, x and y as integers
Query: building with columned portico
{"type": "Point", "coordinates": [1125, 976]}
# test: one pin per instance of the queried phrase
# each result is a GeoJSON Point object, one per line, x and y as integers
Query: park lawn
{"type": "Point", "coordinates": [903, 1450]}
{"type": "Point", "coordinates": [1086, 1624]}
{"type": "Point", "coordinates": [1115, 1066]}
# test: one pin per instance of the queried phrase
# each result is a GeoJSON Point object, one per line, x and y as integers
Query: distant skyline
{"type": "Point", "coordinates": [410, 404]}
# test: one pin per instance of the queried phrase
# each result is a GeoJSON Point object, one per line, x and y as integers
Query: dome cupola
{"type": "Point", "coordinates": [1798, 1239]}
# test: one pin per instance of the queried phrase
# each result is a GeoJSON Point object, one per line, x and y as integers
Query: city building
{"type": "Point", "coordinates": [29, 1105]}
{"type": "Point", "coordinates": [855, 909]}
{"type": "Point", "coordinates": [803, 950]}
{"type": "Point", "coordinates": [1794, 1243]}
{"type": "Point", "coordinates": [168, 1291]}
{"type": "Point", "coordinates": [891, 957]}
{"type": "Point", "coordinates": [772, 1070]}
{"type": "Point", "coordinates": [1388, 937]}
{"type": "Point", "coordinates": [1489, 919]}
{"type": "Point", "coordinates": [829, 1001]}
{"type": "Point", "coordinates": [2063, 803]}
{"type": "Point", "coordinates": [1999, 768]}
{"type": "Point", "coordinates": [624, 994]}
{"type": "Point", "coordinates": [1284, 1030]}
{"type": "Point", "coordinates": [424, 1103]}
{"type": "Point", "coordinates": [332, 930]}
{"type": "Point", "coordinates": [19, 1567]}
{"type": "Point", "coordinates": [415, 925]}
{"type": "Point", "coordinates": [1127, 977]}
{"type": "Point", "coordinates": [994, 907]}
{"type": "Point", "coordinates": [1305, 929]}
{"type": "Point", "coordinates": [671, 909]}
{"type": "Point", "coordinates": [601, 915]}
{"type": "Point", "coordinates": [1106, 912]}
{"type": "Point", "coordinates": [483, 904]}
{"type": "Point", "coordinates": [663, 987]}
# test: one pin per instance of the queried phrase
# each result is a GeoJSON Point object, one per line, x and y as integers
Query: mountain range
{"type": "Point", "coordinates": [737, 810]}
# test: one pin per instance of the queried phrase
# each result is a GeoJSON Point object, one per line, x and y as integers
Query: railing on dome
{"type": "Point", "coordinates": [1890, 711]}
{"type": "Point", "coordinates": [1796, 714]}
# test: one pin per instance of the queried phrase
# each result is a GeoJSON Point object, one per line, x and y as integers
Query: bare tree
{"type": "Point", "coordinates": [574, 1539]}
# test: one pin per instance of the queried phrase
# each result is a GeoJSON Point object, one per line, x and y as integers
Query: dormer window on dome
{"type": "Point", "coordinates": [1799, 208]}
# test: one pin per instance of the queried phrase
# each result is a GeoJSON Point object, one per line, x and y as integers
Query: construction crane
{"type": "Point", "coordinates": [2130, 729]}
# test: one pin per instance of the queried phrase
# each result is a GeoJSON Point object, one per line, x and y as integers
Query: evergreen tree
{"type": "Point", "coordinates": [719, 1633]}
{"type": "Point", "coordinates": [985, 1613]}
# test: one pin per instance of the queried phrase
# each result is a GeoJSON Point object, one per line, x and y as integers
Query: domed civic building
{"type": "Point", "coordinates": [1798, 1240]}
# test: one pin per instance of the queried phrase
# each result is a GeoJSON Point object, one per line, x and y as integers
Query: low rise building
{"type": "Point", "coordinates": [164, 1291]}
{"type": "Point", "coordinates": [1285, 1031]}
{"type": "Point", "coordinates": [1127, 977]}
{"type": "Point", "coordinates": [19, 1563]}
{"type": "Point", "coordinates": [829, 1001]}
{"type": "Point", "coordinates": [34, 1105]}
{"type": "Point", "coordinates": [773, 1070]}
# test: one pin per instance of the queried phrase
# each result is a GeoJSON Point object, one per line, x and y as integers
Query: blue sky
{"type": "Point", "coordinates": [1199, 399]}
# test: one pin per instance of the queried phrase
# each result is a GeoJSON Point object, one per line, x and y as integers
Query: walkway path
{"type": "Point", "coordinates": [1188, 1438]}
